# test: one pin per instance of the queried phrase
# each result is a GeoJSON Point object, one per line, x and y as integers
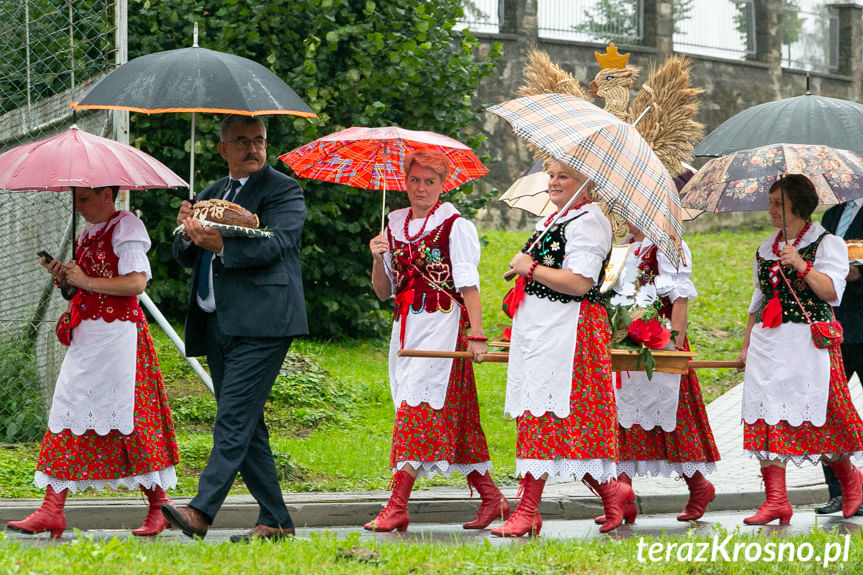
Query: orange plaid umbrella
{"type": "Point", "coordinates": [625, 172]}
{"type": "Point", "coordinates": [372, 158]}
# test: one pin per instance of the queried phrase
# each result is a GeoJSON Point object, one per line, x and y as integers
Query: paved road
{"type": "Point", "coordinates": [803, 521]}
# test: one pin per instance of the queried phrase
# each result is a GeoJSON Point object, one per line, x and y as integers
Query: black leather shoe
{"type": "Point", "coordinates": [832, 506]}
{"type": "Point", "coordinates": [262, 531]}
{"type": "Point", "coordinates": [189, 520]}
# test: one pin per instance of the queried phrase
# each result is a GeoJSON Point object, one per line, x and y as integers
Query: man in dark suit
{"type": "Point", "coordinates": [246, 305]}
{"type": "Point", "coordinates": [846, 221]}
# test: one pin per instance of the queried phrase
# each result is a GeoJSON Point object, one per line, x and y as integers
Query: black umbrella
{"type": "Point", "coordinates": [806, 119]}
{"type": "Point", "coordinates": [194, 80]}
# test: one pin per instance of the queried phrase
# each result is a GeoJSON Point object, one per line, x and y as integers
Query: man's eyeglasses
{"type": "Point", "coordinates": [243, 143]}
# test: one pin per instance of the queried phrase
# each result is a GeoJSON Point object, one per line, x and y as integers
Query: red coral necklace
{"type": "Point", "coordinates": [571, 208]}
{"type": "Point", "coordinates": [796, 241]}
{"type": "Point", "coordinates": [419, 234]}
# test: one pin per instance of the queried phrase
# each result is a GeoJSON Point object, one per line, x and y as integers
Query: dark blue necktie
{"type": "Point", "coordinates": [207, 255]}
{"type": "Point", "coordinates": [845, 220]}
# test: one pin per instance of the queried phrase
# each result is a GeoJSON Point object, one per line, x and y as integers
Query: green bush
{"type": "Point", "coordinates": [306, 396]}
{"type": "Point", "coordinates": [354, 63]}
{"type": "Point", "coordinates": [23, 414]}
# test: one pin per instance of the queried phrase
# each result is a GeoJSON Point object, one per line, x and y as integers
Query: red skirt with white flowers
{"type": "Point", "coordinates": [452, 434]}
{"type": "Point", "coordinates": [150, 447]}
{"type": "Point", "coordinates": [590, 429]}
{"type": "Point", "coordinates": [842, 431]}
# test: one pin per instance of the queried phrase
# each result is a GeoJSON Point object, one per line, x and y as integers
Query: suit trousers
{"type": "Point", "coordinates": [243, 371]}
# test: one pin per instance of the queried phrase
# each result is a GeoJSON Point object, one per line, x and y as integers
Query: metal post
{"type": "Point", "coordinates": [166, 326]}
{"type": "Point", "coordinates": [121, 134]}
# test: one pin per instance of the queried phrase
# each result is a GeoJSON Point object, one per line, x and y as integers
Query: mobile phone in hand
{"type": "Point", "coordinates": [46, 255]}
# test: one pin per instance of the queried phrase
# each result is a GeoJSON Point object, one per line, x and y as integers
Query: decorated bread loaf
{"type": "Point", "coordinates": [225, 212]}
{"type": "Point", "coordinates": [855, 249]}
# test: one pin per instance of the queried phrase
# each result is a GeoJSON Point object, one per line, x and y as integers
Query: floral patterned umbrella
{"type": "Point", "coordinates": [741, 181]}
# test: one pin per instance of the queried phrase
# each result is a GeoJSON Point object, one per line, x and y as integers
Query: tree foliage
{"type": "Point", "coordinates": [617, 20]}
{"type": "Point", "coordinates": [360, 63]}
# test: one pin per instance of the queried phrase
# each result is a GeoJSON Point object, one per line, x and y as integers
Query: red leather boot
{"type": "Point", "coordinates": [617, 497]}
{"type": "Point", "coordinates": [49, 517]}
{"type": "Point", "coordinates": [701, 492]}
{"type": "Point", "coordinates": [630, 511]}
{"type": "Point", "coordinates": [776, 506]}
{"type": "Point", "coordinates": [526, 518]}
{"type": "Point", "coordinates": [395, 514]}
{"type": "Point", "coordinates": [494, 505]}
{"type": "Point", "coordinates": [155, 522]}
{"type": "Point", "coordinates": [850, 478]}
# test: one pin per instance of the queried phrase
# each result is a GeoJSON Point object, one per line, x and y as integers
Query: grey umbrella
{"type": "Point", "coordinates": [194, 80]}
{"type": "Point", "coordinates": [806, 119]}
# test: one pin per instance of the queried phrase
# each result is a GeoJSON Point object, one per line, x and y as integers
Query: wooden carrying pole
{"type": "Point", "coordinates": [621, 359]}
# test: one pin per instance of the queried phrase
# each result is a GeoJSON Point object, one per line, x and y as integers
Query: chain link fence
{"type": "Point", "coordinates": [50, 52]}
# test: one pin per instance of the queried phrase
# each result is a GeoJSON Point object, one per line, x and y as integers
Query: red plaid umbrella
{"type": "Point", "coordinates": [372, 158]}
{"type": "Point", "coordinates": [625, 172]}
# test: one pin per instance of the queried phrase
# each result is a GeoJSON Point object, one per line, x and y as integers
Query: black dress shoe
{"type": "Point", "coordinates": [189, 520]}
{"type": "Point", "coordinates": [262, 531]}
{"type": "Point", "coordinates": [832, 506]}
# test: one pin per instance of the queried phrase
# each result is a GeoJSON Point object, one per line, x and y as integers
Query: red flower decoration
{"type": "Point", "coordinates": [651, 334]}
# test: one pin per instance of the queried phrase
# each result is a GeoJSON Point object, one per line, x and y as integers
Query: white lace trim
{"type": "Point", "coordinates": [665, 468]}
{"type": "Point", "coordinates": [600, 469]}
{"type": "Point", "coordinates": [445, 468]}
{"type": "Point", "coordinates": [798, 460]}
{"type": "Point", "coordinates": [165, 478]}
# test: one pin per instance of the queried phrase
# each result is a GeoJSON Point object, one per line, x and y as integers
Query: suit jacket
{"type": "Point", "coordinates": [257, 282]}
{"type": "Point", "coordinates": [850, 312]}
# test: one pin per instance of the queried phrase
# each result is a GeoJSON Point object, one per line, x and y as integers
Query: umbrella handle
{"type": "Point", "coordinates": [66, 290]}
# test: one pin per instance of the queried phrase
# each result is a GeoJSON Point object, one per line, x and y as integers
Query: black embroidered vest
{"type": "Point", "coordinates": [818, 309]}
{"type": "Point", "coordinates": [550, 253]}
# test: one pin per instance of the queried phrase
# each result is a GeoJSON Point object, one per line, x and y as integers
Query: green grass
{"type": "Point", "coordinates": [327, 554]}
{"type": "Point", "coordinates": [331, 428]}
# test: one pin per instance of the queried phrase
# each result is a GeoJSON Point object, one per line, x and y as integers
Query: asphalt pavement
{"type": "Point", "coordinates": [567, 507]}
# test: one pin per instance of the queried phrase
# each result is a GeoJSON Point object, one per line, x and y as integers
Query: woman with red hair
{"type": "Point", "coordinates": [427, 259]}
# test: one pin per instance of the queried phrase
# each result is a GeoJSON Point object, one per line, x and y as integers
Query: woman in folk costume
{"type": "Point", "coordinates": [428, 260]}
{"type": "Point", "coordinates": [559, 385]}
{"type": "Point", "coordinates": [109, 423]}
{"type": "Point", "coordinates": [796, 404]}
{"type": "Point", "coordinates": [663, 421]}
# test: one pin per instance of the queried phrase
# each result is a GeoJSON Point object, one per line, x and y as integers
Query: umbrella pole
{"type": "Point", "coordinates": [384, 198]}
{"type": "Point", "coordinates": [784, 227]}
{"type": "Point", "coordinates": [192, 159]}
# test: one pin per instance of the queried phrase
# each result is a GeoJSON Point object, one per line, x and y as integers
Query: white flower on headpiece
{"type": "Point", "coordinates": [619, 299]}
{"type": "Point", "coordinates": [646, 296]}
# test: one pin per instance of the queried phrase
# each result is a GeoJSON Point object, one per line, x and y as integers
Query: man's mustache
{"type": "Point", "coordinates": [251, 157]}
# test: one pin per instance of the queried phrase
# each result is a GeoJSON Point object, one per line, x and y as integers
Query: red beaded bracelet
{"type": "Point", "coordinates": [804, 273]}
{"type": "Point", "coordinates": [477, 338]}
{"type": "Point", "coordinates": [532, 269]}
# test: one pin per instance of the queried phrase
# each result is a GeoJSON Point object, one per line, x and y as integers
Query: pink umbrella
{"type": "Point", "coordinates": [372, 158]}
{"type": "Point", "coordinates": [76, 158]}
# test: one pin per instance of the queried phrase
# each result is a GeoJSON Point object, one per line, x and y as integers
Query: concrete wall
{"type": "Point", "coordinates": [730, 86]}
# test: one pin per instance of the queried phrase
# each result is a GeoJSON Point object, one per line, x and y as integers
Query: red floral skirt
{"type": "Point", "coordinates": [590, 429]}
{"type": "Point", "coordinates": [842, 431]}
{"type": "Point", "coordinates": [691, 441]}
{"type": "Point", "coordinates": [452, 433]}
{"type": "Point", "coordinates": [150, 447]}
